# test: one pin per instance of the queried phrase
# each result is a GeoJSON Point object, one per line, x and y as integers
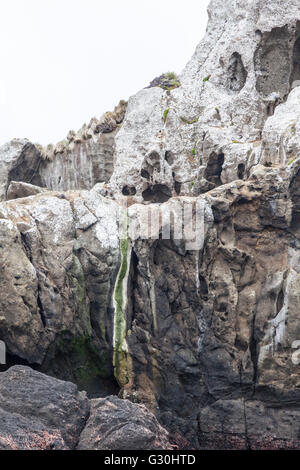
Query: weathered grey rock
{"type": "Point", "coordinates": [116, 424]}
{"type": "Point", "coordinates": [281, 132]}
{"type": "Point", "coordinates": [39, 412]}
{"type": "Point", "coordinates": [80, 165]}
{"type": "Point", "coordinates": [18, 189]}
{"type": "Point", "coordinates": [83, 160]}
{"type": "Point", "coordinates": [58, 261]}
{"type": "Point", "coordinates": [86, 157]}
{"type": "Point", "coordinates": [208, 131]}
{"type": "Point", "coordinates": [19, 161]}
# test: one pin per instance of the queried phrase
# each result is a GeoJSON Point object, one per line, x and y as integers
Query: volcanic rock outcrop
{"type": "Point", "coordinates": [205, 335]}
{"type": "Point", "coordinates": [42, 413]}
{"type": "Point", "coordinates": [85, 158]}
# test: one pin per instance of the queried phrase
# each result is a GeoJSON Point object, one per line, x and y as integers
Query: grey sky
{"type": "Point", "coordinates": [65, 61]}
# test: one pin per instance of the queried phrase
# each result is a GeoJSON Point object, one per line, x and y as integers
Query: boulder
{"type": "Point", "coordinates": [116, 424]}
{"type": "Point", "coordinates": [18, 189]}
{"type": "Point", "coordinates": [39, 412]}
{"type": "Point", "coordinates": [19, 161]}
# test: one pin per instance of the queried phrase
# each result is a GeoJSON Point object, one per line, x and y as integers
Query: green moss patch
{"type": "Point", "coordinates": [189, 121]}
{"type": "Point", "coordinates": [167, 81]}
{"type": "Point", "coordinates": [80, 361]}
{"type": "Point", "coordinates": [165, 115]}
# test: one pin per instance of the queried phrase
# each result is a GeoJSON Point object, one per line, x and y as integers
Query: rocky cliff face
{"type": "Point", "coordinates": [205, 335]}
{"type": "Point", "coordinates": [85, 158]}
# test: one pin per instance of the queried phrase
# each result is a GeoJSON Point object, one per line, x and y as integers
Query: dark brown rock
{"type": "Point", "coordinates": [39, 412]}
{"type": "Point", "coordinates": [116, 424]}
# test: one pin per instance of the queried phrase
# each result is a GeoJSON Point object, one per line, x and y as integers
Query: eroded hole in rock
{"type": "Point", "coordinates": [280, 301]}
{"type": "Point", "coordinates": [177, 187]}
{"type": "Point", "coordinates": [241, 344]}
{"type": "Point", "coordinates": [272, 63]}
{"type": "Point", "coordinates": [241, 171]}
{"type": "Point", "coordinates": [258, 34]}
{"type": "Point", "coordinates": [12, 360]}
{"type": "Point", "coordinates": [223, 308]}
{"type": "Point", "coordinates": [151, 165]}
{"type": "Point", "coordinates": [84, 361]}
{"type": "Point", "coordinates": [237, 74]}
{"type": "Point", "coordinates": [203, 288]}
{"type": "Point", "coordinates": [75, 363]}
{"type": "Point", "coordinates": [169, 158]}
{"type": "Point", "coordinates": [271, 108]}
{"type": "Point", "coordinates": [145, 174]}
{"type": "Point", "coordinates": [158, 193]}
{"type": "Point", "coordinates": [154, 161]}
{"type": "Point", "coordinates": [129, 191]}
{"type": "Point", "coordinates": [214, 168]}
